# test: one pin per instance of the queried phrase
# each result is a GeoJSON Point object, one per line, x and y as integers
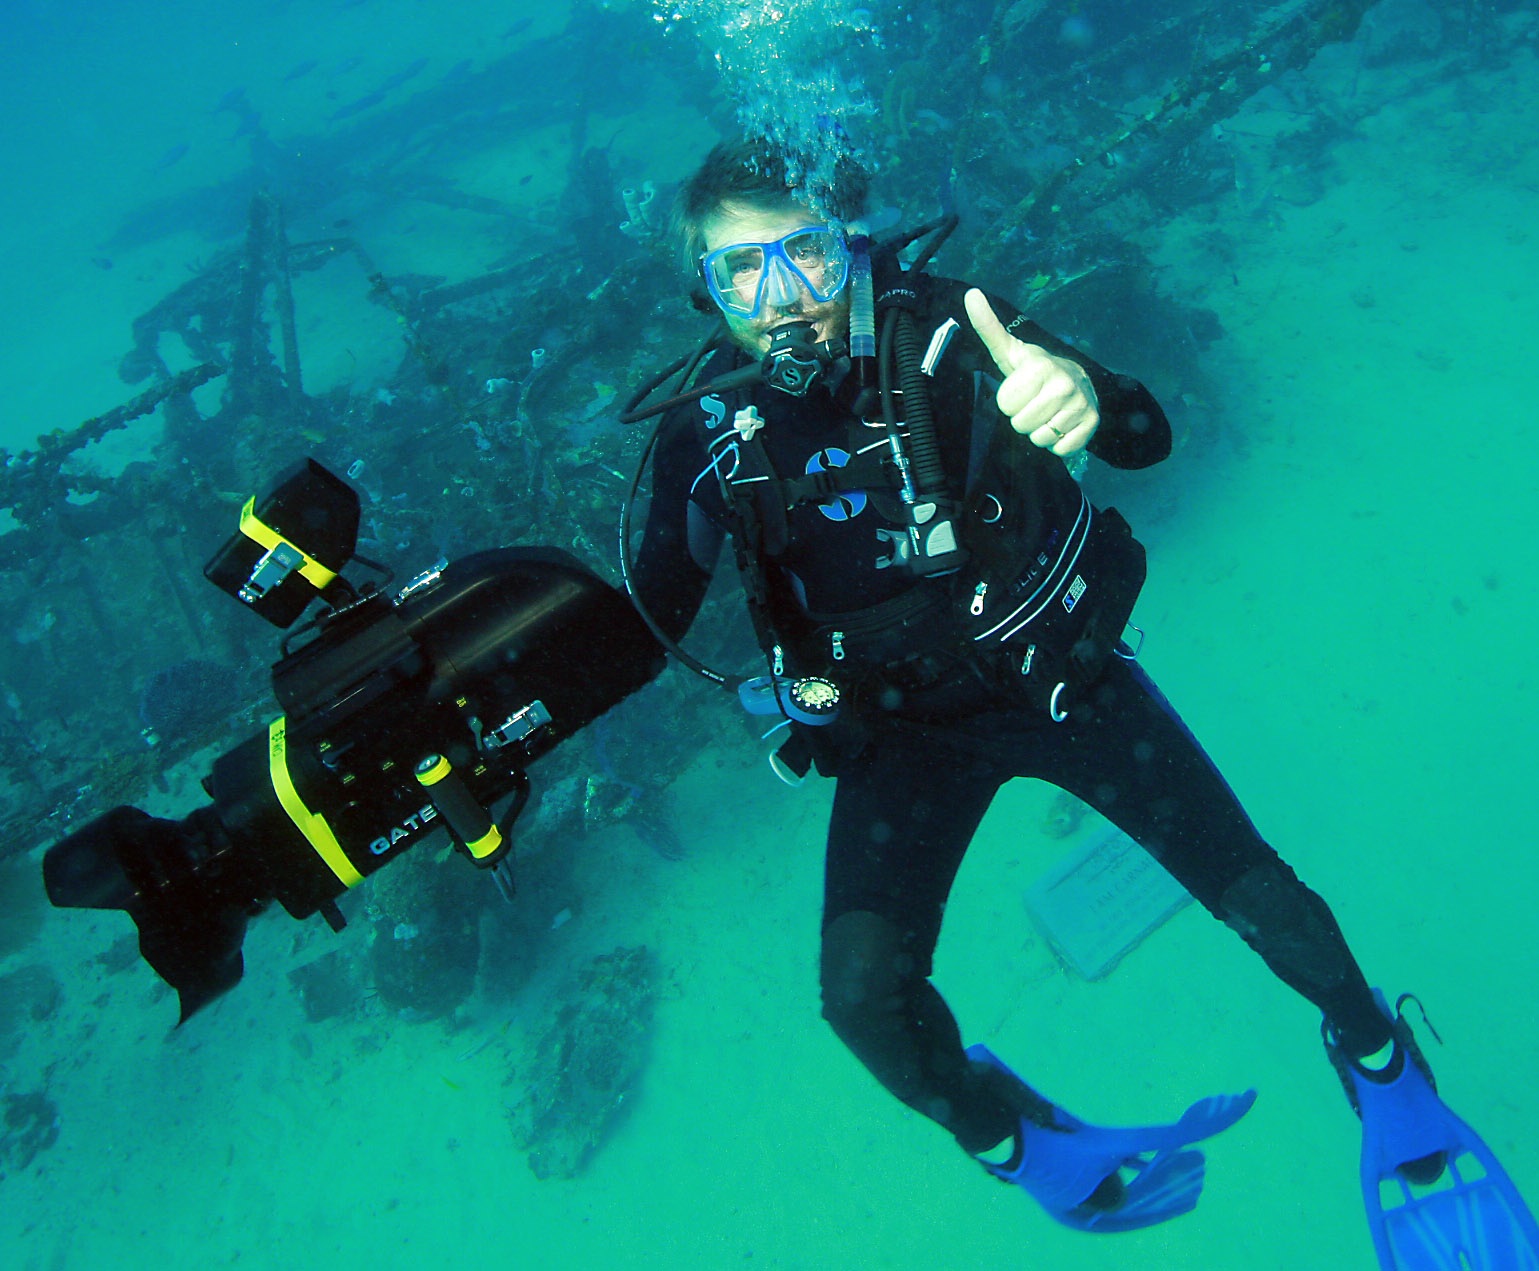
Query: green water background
{"type": "Point", "coordinates": [1342, 613]}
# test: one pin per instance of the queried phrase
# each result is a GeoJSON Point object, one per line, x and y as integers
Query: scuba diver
{"type": "Point", "coordinates": [943, 609]}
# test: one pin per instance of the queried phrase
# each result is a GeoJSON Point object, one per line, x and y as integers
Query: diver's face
{"type": "Point", "coordinates": [741, 223]}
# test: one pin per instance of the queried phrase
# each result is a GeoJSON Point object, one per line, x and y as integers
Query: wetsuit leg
{"type": "Point", "coordinates": [1125, 752]}
{"type": "Point", "coordinates": [904, 813]}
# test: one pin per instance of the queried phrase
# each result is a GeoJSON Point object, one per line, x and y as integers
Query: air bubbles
{"type": "Point", "coordinates": [792, 70]}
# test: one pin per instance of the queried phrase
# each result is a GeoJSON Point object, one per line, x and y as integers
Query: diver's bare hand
{"type": "Point", "coordinates": [1047, 398]}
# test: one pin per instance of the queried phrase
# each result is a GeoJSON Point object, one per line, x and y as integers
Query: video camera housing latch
{"type": "Point", "coordinates": [516, 726]}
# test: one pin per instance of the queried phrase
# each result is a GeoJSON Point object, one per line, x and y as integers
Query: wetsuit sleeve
{"type": "Point", "coordinates": [679, 545]}
{"type": "Point", "coordinates": [1134, 432]}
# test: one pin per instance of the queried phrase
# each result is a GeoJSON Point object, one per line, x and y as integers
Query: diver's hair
{"type": "Point", "coordinates": [751, 173]}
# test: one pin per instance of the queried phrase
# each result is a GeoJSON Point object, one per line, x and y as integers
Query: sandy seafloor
{"type": "Point", "coordinates": [1341, 608]}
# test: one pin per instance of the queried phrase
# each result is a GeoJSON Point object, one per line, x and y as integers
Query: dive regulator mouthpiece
{"type": "Point", "coordinates": [796, 361]}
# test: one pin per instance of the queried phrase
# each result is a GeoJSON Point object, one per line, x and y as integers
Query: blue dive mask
{"type": "Point", "coordinates": [745, 277]}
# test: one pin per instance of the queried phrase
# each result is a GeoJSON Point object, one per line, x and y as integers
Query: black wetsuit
{"type": "Point", "coordinates": [941, 732]}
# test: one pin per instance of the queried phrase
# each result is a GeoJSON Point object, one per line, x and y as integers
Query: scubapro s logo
{"type": "Point", "coordinates": [847, 503]}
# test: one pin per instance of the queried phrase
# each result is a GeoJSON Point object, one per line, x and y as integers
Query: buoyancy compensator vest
{"type": "Point", "coordinates": [1044, 599]}
{"type": "Point", "coordinates": [1035, 592]}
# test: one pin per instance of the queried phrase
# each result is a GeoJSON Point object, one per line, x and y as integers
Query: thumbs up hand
{"type": "Point", "coordinates": [1047, 398]}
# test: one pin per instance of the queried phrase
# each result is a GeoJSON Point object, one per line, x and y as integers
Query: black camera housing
{"type": "Point", "coordinates": [469, 674]}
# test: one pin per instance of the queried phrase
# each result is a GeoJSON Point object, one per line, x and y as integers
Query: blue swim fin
{"type": "Point", "coordinates": [1472, 1219]}
{"type": "Point", "coordinates": [1062, 1165]}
